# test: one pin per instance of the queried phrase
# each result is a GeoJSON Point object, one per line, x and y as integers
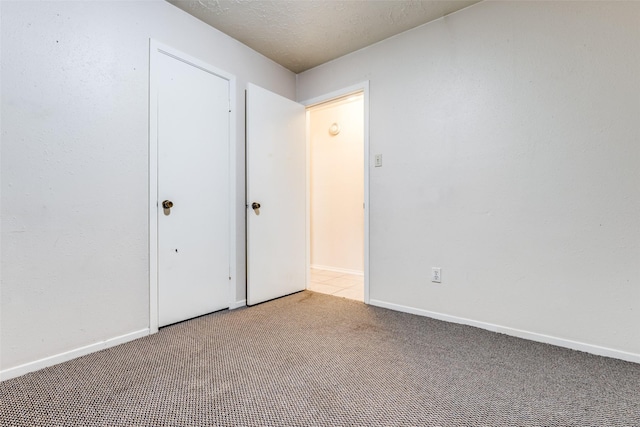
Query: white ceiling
{"type": "Point", "coordinates": [300, 34]}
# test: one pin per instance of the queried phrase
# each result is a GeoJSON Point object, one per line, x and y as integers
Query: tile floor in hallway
{"type": "Point", "coordinates": [335, 283]}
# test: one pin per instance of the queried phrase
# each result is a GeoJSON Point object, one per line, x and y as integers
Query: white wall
{"type": "Point", "coordinates": [511, 141]}
{"type": "Point", "coordinates": [74, 178]}
{"type": "Point", "coordinates": [337, 185]}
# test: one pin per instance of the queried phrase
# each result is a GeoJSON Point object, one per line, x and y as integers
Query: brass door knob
{"type": "Point", "coordinates": [167, 204]}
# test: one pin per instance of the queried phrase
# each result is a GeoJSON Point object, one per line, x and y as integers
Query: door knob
{"type": "Point", "coordinates": [167, 204]}
{"type": "Point", "coordinates": [255, 205]}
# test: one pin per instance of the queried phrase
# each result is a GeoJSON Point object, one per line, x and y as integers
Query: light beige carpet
{"type": "Point", "coordinates": [316, 360]}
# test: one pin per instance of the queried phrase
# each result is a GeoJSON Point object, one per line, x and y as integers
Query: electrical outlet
{"type": "Point", "coordinates": [378, 160]}
{"type": "Point", "coordinates": [436, 275]}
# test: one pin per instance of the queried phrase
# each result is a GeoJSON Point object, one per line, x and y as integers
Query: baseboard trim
{"type": "Point", "coordinates": [72, 354]}
{"type": "Point", "coordinates": [238, 304]}
{"type": "Point", "coordinates": [338, 269]}
{"type": "Point", "coordinates": [532, 336]}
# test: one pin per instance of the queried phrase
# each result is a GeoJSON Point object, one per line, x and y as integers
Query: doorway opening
{"type": "Point", "coordinates": [336, 196]}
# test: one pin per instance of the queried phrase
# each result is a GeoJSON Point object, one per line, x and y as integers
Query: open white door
{"type": "Point", "coordinates": [276, 196]}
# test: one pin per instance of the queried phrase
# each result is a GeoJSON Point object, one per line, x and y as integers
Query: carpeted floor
{"type": "Point", "coordinates": [316, 360]}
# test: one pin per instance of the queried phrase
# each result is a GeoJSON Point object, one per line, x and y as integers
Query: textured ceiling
{"type": "Point", "coordinates": [300, 34]}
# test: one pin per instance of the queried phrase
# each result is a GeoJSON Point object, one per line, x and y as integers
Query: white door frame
{"type": "Point", "coordinates": [341, 93]}
{"type": "Point", "coordinates": [155, 49]}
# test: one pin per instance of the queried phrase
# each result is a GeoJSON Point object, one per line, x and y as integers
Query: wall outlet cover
{"type": "Point", "coordinates": [436, 275]}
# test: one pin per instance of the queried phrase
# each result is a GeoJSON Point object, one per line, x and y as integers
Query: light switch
{"type": "Point", "coordinates": [378, 160]}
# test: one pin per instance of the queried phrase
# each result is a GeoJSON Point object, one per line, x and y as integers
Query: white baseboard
{"type": "Point", "coordinates": [547, 339]}
{"type": "Point", "coordinates": [72, 354]}
{"type": "Point", "coordinates": [238, 304]}
{"type": "Point", "coordinates": [338, 269]}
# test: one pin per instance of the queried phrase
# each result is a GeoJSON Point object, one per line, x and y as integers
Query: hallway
{"type": "Point", "coordinates": [337, 284]}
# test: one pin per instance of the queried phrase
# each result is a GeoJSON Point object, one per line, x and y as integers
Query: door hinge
{"type": "Point", "coordinates": [229, 105]}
